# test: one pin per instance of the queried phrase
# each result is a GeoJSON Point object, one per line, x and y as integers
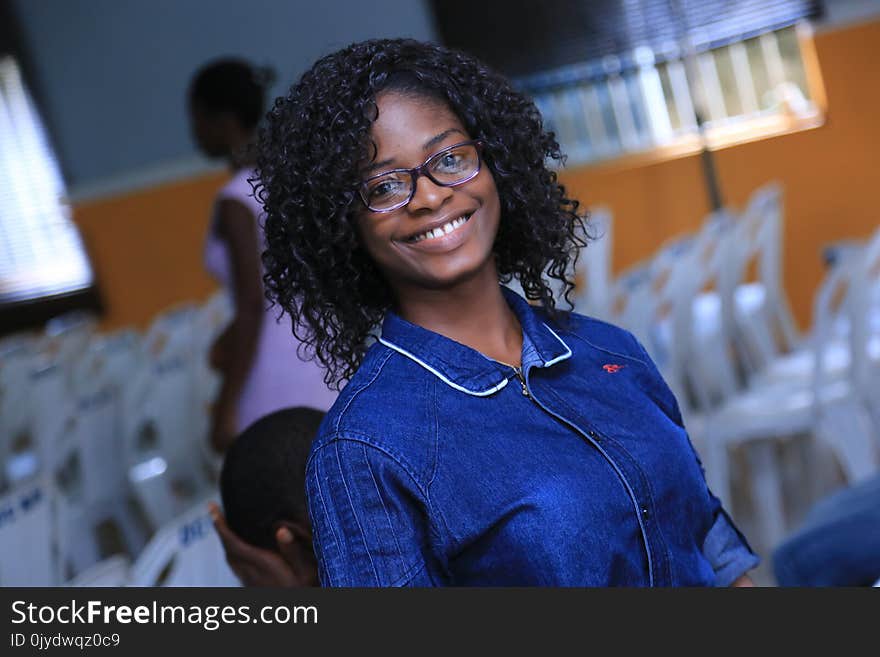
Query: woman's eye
{"type": "Point", "coordinates": [450, 161]}
{"type": "Point", "coordinates": [385, 188]}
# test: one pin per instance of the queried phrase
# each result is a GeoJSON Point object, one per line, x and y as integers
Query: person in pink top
{"type": "Point", "coordinates": [257, 354]}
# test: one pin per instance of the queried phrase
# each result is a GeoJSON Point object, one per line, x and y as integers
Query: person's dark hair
{"type": "Point", "coordinates": [262, 481]}
{"type": "Point", "coordinates": [232, 85]}
{"type": "Point", "coordinates": [309, 156]}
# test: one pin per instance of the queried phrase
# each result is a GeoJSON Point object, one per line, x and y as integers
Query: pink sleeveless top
{"type": "Point", "coordinates": [278, 378]}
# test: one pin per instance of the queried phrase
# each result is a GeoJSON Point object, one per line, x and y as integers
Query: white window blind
{"type": "Point", "coordinates": [615, 77]}
{"type": "Point", "coordinates": [41, 253]}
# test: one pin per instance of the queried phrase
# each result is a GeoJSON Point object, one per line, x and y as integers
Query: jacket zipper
{"type": "Point", "coordinates": [586, 436]}
{"type": "Point", "coordinates": [522, 381]}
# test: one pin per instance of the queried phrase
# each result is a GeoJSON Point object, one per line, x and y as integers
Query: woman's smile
{"type": "Point", "coordinates": [440, 236]}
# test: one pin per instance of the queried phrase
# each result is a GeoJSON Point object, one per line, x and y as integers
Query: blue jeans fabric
{"type": "Point", "coordinates": [439, 466]}
{"type": "Point", "coordinates": [838, 543]}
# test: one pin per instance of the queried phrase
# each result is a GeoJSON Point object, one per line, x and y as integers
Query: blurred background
{"type": "Point", "coordinates": [727, 151]}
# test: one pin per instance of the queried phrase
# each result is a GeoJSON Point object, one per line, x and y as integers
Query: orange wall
{"type": "Point", "coordinates": [146, 246]}
{"type": "Point", "coordinates": [830, 175]}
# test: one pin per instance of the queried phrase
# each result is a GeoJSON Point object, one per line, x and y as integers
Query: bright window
{"type": "Point", "coordinates": [41, 253]}
{"type": "Point", "coordinates": [657, 99]}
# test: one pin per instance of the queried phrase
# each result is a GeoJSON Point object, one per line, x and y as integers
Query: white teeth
{"type": "Point", "coordinates": [440, 231]}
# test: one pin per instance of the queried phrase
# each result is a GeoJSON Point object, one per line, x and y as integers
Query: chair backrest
{"type": "Point", "coordinates": [641, 302]}
{"type": "Point", "coordinates": [865, 324]}
{"type": "Point", "coordinates": [162, 450]}
{"type": "Point", "coordinates": [162, 391]}
{"type": "Point", "coordinates": [100, 378]}
{"type": "Point", "coordinates": [629, 308]}
{"type": "Point", "coordinates": [16, 362]}
{"type": "Point", "coordinates": [110, 572]}
{"type": "Point", "coordinates": [26, 536]}
{"type": "Point", "coordinates": [185, 552]}
{"type": "Point", "coordinates": [592, 274]}
{"type": "Point", "coordinates": [845, 422]}
{"type": "Point", "coordinates": [64, 339]}
{"type": "Point", "coordinates": [75, 539]}
{"type": "Point", "coordinates": [212, 317]}
{"type": "Point", "coordinates": [702, 333]}
{"type": "Point", "coordinates": [765, 327]}
{"type": "Point", "coordinates": [51, 410]}
{"type": "Point", "coordinates": [49, 405]}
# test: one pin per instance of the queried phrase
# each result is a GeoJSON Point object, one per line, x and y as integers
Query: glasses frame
{"type": "Point", "coordinates": [422, 170]}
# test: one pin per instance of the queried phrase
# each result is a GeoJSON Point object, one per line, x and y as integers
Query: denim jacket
{"type": "Point", "coordinates": [439, 466]}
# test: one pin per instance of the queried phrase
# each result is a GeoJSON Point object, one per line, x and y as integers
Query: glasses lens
{"type": "Point", "coordinates": [387, 191]}
{"type": "Point", "coordinates": [455, 164]}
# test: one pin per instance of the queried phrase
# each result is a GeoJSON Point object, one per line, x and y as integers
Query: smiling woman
{"type": "Point", "coordinates": [427, 189]}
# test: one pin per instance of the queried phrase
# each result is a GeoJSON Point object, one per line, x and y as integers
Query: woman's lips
{"type": "Point", "coordinates": [445, 242]}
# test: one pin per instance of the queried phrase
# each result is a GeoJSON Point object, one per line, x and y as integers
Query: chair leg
{"type": "Point", "coordinates": [767, 492]}
{"type": "Point", "coordinates": [716, 462]}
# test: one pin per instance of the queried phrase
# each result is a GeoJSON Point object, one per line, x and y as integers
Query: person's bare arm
{"type": "Point", "coordinates": [236, 347]}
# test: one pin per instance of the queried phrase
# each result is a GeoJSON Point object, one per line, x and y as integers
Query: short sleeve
{"type": "Point", "coordinates": [370, 519]}
{"type": "Point", "coordinates": [724, 546]}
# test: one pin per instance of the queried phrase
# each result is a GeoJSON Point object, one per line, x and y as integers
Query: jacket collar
{"type": "Point", "coordinates": [464, 368]}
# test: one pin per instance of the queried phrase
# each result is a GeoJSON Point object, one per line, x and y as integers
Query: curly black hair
{"type": "Point", "coordinates": [308, 172]}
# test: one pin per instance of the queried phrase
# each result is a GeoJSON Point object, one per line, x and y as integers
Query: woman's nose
{"type": "Point", "coordinates": [428, 195]}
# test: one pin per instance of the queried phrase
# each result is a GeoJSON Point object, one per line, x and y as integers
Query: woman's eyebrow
{"type": "Point", "coordinates": [376, 165]}
{"type": "Point", "coordinates": [433, 141]}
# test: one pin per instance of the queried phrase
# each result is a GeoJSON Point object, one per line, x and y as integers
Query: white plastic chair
{"type": "Point", "coordinates": [592, 274]}
{"type": "Point", "coordinates": [75, 522]}
{"type": "Point", "coordinates": [111, 572]}
{"type": "Point", "coordinates": [823, 407]}
{"type": "Point", "coordinates": [630, 299]}
{"type": "Point", "coordinates": [26, 534]}
{"type": "Point", "coordinates": [184, 552]}
{"type": "Point", "coordinates": [163, 457]}
{"type": "Point", "coordinates": [657, 303]}
{"type": "Point", "coordinates": [211, 319]}
{"type": "Point", "coordinates": [95, 434]}
{"type": "Point", "coordinates": [846, 424]}
{"type": "Point", "coordinates": [48, 405]}
{"type": "Point", "coordinates": [759, 310]}
{"type": "Point", "coordinates": [865, 327]}
{"type": "Point", "coordinates": [690, 336]}
{"type": "Point", "coordinates": [51, 411]}
{"type": "Point", "coordinates": [16, 363]}
{"type": "Point", "coordinates": [64, 339]}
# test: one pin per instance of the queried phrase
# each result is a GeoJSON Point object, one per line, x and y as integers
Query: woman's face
{"type": "Point", "coordinates": [407, 131]}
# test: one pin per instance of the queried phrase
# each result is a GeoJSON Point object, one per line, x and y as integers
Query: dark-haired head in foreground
{"type": "Point", "coordinates": [262, 485]}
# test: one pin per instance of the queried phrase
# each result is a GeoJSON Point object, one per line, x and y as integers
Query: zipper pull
{"type": "Point", "coordinates": [522, 381]}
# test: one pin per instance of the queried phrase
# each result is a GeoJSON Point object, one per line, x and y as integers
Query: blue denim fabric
{"type": "Point", "coordinates": [435, 468]}
{"type": "Point", "coordinates": [838, 543]}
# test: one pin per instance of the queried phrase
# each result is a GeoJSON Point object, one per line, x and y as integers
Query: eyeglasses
{"type": "Point", "coordinates": [450, 167]}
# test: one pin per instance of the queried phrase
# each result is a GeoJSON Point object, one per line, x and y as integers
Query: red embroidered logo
{"type": "Point", "coordinates": [611, 368]}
